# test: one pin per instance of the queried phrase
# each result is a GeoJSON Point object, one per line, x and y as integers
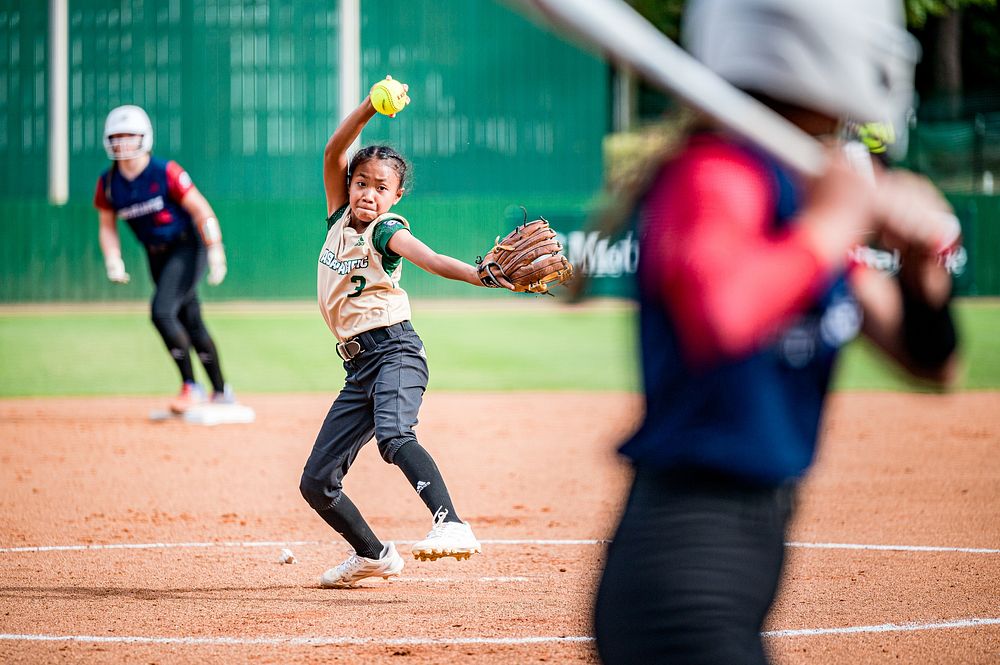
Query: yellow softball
{"type": "Point", "coordinates": [388, 96]}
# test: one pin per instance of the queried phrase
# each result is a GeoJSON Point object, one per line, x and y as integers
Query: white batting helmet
{"type": "Point", "coordinates": [128, 119]}
{"type": "Point", "coordinates": [844, 58]}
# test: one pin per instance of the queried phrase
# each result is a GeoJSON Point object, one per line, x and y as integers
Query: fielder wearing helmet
{"type": "Point", "coordinates": [178, 230]}
{"type": "Point", "coordinates": [127, 133]}
{"type": "Point", "coordinates": [746, 298]}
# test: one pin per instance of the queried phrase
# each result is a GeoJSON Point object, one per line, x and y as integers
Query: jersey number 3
{"type": "Point", "coordinates": [360, 281]}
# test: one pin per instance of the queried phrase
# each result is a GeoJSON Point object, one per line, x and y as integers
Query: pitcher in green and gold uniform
{"type": "Point", "coordinates": [361, 299]}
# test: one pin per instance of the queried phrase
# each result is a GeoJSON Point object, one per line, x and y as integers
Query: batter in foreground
{"type": "Point", "coordinates": [749, 287]}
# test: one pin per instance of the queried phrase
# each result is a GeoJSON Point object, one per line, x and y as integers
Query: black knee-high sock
{"type": "Point", "coordinates": [419, 468]}
{"type": "Point", "coordinates": [346, 519]}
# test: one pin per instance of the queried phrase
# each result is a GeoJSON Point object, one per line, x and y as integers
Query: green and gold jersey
{"type": "Point", "coordinates": [358, 275]}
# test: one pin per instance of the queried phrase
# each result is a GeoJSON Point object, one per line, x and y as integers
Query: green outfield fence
{"type": "Point", "coordinates": [956, 142]}
{"type": "Point", "coordinates": [243, 93]}
{"type": "Point", "coordinates": [51, 253]}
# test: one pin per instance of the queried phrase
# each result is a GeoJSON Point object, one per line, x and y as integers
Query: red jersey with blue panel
{"type": "Point", "coordinates": [150, 203]}
{"type": "Point", "coordinates": [740, 321]}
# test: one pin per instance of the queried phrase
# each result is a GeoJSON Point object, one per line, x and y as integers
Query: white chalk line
{"type": "Point", "coordinates": [288, 543]}
{"type": "Point", "coordinates": [461, 580]}
{"type": "Point", "coordinates": [884, 628]}
{"type": "Point", "coordinates": [156, 546]}
{"type": "Point", "coordinates": [893, 548]}
{"type": "Point", "coordinates": [286, 641]}
{"type": "Point", "coordinates": [430, 641]}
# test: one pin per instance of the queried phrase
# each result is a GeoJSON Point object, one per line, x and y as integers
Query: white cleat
{"type": "Point", "coordinates": [447, 539]}
{"type": "Point", "coordinates": [357, 568]}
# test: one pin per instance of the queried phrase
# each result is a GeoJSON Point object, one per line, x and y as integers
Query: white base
{"type": "Point", "coordinates": [219, 414]}
{"type": "Point", "coordinates": [207, 414]}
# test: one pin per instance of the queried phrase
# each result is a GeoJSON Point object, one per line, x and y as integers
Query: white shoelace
{"type": "Point", "coordinates": [353, 564]}
{"type": "Point", "coordinates": [440, 526]}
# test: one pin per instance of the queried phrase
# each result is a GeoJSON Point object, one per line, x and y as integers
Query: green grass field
{"type": "Point", "coordinates": [286, 348]}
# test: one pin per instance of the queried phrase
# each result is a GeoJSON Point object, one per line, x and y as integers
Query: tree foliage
{"type": "Point", "coordinates": [918, 11]}
{"type": "Point", "coordinates": [664, 14]}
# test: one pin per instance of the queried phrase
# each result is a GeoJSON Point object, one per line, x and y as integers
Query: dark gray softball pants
{"type": "Point", "coordinates": [382, 394]}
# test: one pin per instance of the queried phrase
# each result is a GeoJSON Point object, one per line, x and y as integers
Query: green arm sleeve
{"type": "Point", "coordinates": [380, 237]}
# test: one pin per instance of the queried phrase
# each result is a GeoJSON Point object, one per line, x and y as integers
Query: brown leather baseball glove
{"type": "Point", "coordinates": [528, 259]}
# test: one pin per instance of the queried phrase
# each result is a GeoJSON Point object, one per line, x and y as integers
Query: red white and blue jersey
{"type": "Point", "coordinates": [150, 203]}
{"type": "Point", "coordinates": [740, 321]}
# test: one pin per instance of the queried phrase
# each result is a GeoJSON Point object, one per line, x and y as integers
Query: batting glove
{"type": "Point", "coordinates": [115, 268]}
{"type": "Point", "coordinates": [216, 264]}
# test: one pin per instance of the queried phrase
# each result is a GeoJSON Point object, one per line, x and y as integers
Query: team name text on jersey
{"type": "Point", "coordinates": [142, 208]}
{"type": "Point", "coordinates": [329, 259]}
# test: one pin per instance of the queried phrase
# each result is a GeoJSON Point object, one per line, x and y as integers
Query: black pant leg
{"type": "Point", "coordinates": [692, 571]}
{"type": "Point", "coordinates": [190, 317]}
{"type": "Point", "coordinates": [348, 426]}
{"type": "Point", "coordinates": [175, 271]}
{"type": "Point", "coordinates": [398, 393]}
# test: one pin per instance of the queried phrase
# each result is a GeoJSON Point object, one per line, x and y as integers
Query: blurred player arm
{"type": "Point", "coordinates": [181, 189]}
{"type": "Point", "coordinates": [335, 161]}
{"type": "Point", "coordinates": [916, 332]}
{"type": "Point", "coordinates": [405, 244]}
{"type": "Point", "coordinates": [111, 246]}
{"type": "Point", "coordinates": [730, 280]}
{"type": "Point", "coordinates": [107, 233]}
{"type": "Point", "coordinates": [909, 316]}
{"type": "Point", "coordinates": [196, 205]}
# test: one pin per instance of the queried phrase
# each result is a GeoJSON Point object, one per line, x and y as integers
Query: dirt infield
{"type": "Point", "coordinates": [126, 541]}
